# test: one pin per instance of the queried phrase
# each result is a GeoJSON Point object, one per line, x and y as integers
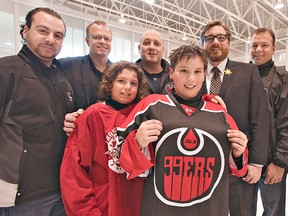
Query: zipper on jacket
{"type": "Point", "coordinates": [54, 85]}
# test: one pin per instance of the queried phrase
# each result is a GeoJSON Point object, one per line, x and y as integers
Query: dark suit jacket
{"type": "Point", "coordinates": [84, 79]}
{"type": "Point", "coordinates": [244, 95]}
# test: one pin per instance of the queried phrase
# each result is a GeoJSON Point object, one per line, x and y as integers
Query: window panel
{"type": "Point", "coordinates": [7, 45]}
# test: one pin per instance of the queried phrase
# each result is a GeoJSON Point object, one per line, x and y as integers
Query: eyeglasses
{"type": "Point", "coordinates": [211, 38]}
{"type": "Point", "coordinates": [99, 38]}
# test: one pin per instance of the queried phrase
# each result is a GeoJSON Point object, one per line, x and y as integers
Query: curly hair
{"type": "Point", "coordinates": [111, 74]}
{"type": "Point", "coordinates": [30, 14]}
{"type": "Point", "coordinates": [187, 51]}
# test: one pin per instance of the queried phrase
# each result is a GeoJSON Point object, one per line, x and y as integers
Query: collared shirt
{"type": "Point", "coordinates": [221, 67]}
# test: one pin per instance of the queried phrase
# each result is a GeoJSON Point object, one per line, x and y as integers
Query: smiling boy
{"type": "Point", "coordinates": [180, 141]}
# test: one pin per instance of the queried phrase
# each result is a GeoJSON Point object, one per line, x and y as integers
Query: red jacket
{"type": "Point", "coordinates": [91, 181]}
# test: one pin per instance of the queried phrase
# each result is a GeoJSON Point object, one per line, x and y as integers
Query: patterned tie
{"type": "Point", "coordinates": [215, 82]}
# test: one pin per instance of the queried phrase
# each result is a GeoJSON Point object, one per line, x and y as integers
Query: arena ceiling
{"type": "Point", "coordinates": [176, 18]}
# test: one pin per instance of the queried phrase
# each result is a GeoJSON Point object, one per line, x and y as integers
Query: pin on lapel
{"type": "Point", "coordinates": [227, 71]}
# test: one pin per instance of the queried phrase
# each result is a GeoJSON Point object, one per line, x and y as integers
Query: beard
{"type": "Point", "coordinates": [217, 56]}
{"type": "Point", "coordinates": [214, 58]}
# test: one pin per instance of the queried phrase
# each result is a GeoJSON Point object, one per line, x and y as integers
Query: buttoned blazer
{"type": "Point", "coordinates": [83, 78]}
{"type": "Point", "coordinates": [243, 93]}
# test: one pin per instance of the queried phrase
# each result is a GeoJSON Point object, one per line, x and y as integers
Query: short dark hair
{"type": "Point", "coordinates": [30, 14]}
{"type": "Point", "coordinates": [187, 51]}
{"type": "Point", "coordinates": [97, 22]}
{"type": "Point", "coordinates": [113, 71]}
{"type": "Point", "coordinates": [215, 23]}
{"type": "Point", "coordinates": [263, 30]}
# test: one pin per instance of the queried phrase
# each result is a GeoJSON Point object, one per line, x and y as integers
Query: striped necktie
{"type": "Point", "coordinates": [215, 82]}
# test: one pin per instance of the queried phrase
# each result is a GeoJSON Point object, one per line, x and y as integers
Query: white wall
{"type": "Point", "coordinates": [125, 37]}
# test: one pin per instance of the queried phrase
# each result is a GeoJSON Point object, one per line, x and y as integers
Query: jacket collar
{"type": "Point", "coordinates": [38, 67]}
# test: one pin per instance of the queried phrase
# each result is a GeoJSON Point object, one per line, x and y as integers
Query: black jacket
{"type": "Point", "coordinates": [84, 78]}
{"type": "Point", "coordinates": [276, 86]}
{"type": "Point", "coordinates": [33, 102]}
{"type": "Point", "coordinates": [166, 82]}
{"type": "Point", "coordinates": [243, 93]}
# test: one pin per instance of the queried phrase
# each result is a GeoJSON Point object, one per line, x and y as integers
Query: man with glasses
{"type": "Point", "coordinates": [241, 88]}
{"type": "Point", "coordinates": [84, 73]}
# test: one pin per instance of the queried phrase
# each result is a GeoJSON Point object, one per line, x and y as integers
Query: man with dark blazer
{"type": "Point", "coordinates": [243, 93]}
{"type": "Point", "coordinates": [84, 72]}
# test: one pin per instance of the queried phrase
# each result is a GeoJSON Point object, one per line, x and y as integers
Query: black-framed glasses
{"type": "Point", "coordinates": [99, 38]}
{"type": "Point", "coordinates": [211, 38]}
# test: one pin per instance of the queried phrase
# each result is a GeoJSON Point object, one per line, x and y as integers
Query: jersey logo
{"type": "Point", "coordinates": [169, 88]}
{"type": "Point", "coordinates": [113, 152]}
{"type": "Point", "coordinates": [193, 167]}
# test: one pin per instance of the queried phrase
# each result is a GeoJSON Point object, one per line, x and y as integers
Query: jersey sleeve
{"type": "Point", "coordinates": [76, 186]}
{"type": "Point", "coordinates": [133, 160]}
{"type": "Point", "coordinates": [244, 162]}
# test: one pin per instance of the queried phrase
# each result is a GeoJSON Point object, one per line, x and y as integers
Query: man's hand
{"type": "Point", "coordinates": [217, 99]}
{"type": "Point", "coordinates": [274, 174]}
{"type": "Point", "coordinates": [253, 174]}
{"type": "Point", "coordinates": [70, 118]}
{"type": "Point", "coordinates": [238, 142]}
{"type": "Point", "coordinates": [148, 132]}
